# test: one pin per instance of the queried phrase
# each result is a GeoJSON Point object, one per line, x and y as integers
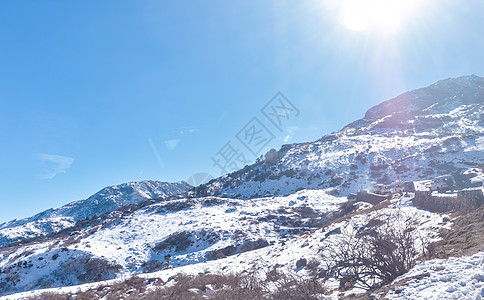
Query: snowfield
{"type": "Point", "coordinates": [214, 222]}
{"type": "Point", "coordinates": [285, 210]}
{"type": "Point", "coordinates": [106, 200]}
{"type": "Point", "coordinates": [419, 135]}
{"type": "Point", "coordinates": [189, 230]}
{"type": "Point", "coordinates": [453, 278]}
{"type": "Point", "coordinates": [130, 242]}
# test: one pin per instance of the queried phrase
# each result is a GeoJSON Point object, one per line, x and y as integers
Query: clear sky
{"type": "Point", "coordinates": [96, 93]}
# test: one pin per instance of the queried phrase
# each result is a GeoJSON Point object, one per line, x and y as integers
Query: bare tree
{"type": "Point", "coordinates": [371, 253]}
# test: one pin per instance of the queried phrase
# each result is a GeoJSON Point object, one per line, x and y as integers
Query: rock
{"type": "Point", "coordinates": [301, 263]}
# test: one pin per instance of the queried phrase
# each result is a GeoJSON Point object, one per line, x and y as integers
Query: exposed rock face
{"type": "Point", "coordinates": [418, 135]}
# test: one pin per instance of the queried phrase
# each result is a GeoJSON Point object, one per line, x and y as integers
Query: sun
{"type": "Point", "coordinates": [383, 16]}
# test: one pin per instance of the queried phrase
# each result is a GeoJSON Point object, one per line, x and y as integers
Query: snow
{"type": "Point", "coordinates": [453, 278]}
{"type": "Point", "coordinates": [106, 200]}
{"type": "Point", "coordinates": [129, 237]}
{"type": "Point", "coordinates": [441, 131]}
{"type": "Point", "coordinates": [227, 219]}
{"type": "Point", "coordinates": [209, 224]}
{"type": "Point", "coordinates": [477, 175]}
{"type": "Point", "coordinates": [441, 138]}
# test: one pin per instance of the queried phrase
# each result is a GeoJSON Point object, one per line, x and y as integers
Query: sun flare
{"type": "Point", "coordinates": [386, 16]}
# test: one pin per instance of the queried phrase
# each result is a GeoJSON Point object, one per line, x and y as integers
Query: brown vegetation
{"type": "Point", "coordinates": [466, 236]}
{"type": "Point", "coordinates": [249, 285]}
{"type": "Point", "coordinates": [128, 289]}
{"type": "Point", "coordinates": [374, 253]}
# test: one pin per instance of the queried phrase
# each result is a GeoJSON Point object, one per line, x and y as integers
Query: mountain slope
{"type": "Point", "coordinates": [198, 236]}
{"type": "Point", "coordinates": [419, 135]}
{"type": "Point", "coordinates": [263, 216]}
{"type": "Point", "coordinates": [106, 200]}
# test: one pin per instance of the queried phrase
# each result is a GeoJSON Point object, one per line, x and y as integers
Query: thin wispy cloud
{"type": "Point", "coordinates": [156, 153]}
{"type": "Point", "coordinates": [53, 164]}
{"type": "Point", "coordinates": [184, 130]}
{"type": "Point", "coordinates": [296, 131]}
{"type": "Point", "coordinates": [292, 129]}
{"type": "Point", "coordinates": [171, 144]}
{"type": "Point", "coordinates": [290, 133]}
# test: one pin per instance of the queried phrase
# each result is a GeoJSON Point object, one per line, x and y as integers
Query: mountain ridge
{"type": "Point", "coordinates": [279, 211]}
{"type": "Point", "coordinates": [444, 117]}
{"type": "Point", "coordinates": [107, 199]}
{"type": "Point", "coordinates": [469, 89]}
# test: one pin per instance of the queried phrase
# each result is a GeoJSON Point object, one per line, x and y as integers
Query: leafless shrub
{"type": "Point", "coordinates": [70, 241]}
{"type": "Point", "coordinates": [283, 285]}
{"type": "Point", "coordinates": [154, 265]}
{"type": "Point", "coordinates": [246, 245]}
{"type": "Point", "coordinates": [313, 265]}
{"type": "Point", "coordinates": [85, 268]}
{"type": "Point", "coordinates": [49, 296]}
{"type": "Point", "coordinates": [127, 289]}
{"type": "Point", "coordinates": [23, 254]}
{"type": "Point", "coordinates": [54, 245]}
{"type": "Point", "coordinates": [180, 241]}
{"type": "Point", "coordinates": [375, 252]}
{"type": "Point", "coordinates": [9, 280]}
{"type": "Point", "coordinates": [255, 283]}
{"type": "Point", "coordinates": [97, 269]}
{"type": "Point", "coordinates": [206, 286]}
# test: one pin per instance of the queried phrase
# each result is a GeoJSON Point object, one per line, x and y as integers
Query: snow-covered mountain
{"type": "Point", "coordinates": [106, 200]}
{"type": "Point", "coordinates": [421, 134]}
{"type": "Point", "coordinates": [197, 235]}
{"type": "Point", "coordinates": [281, 211]}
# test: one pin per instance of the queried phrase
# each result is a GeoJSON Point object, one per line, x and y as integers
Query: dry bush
{"type": "Point", "coordinates": [291, 287]}
{"type": "Point", "coordinates": [9, 280]}
{"type": "Point", "coordinates": [155, 265]}
{"type": "Point", "coordinates": [208, 286]}
{"type": "Point", "coordinates": [70, 241]}
{"type": "Point", "coordinates": [49, 296]}
{"type": "Point", "coordinates": [246, 245]}
{"type": "Point", "coordinates": [128, 289]}
{"type": "Point", "coordinates": [97, 269]}
{"type": "Point", "coordinates": [181, 241]}
{"type": "Point", "coordinates": [466, 236]}
{"type": "Point", "coordinates": [85, 268]}
{"type": "Point", "coordinates": [374, 253]}
{"type": "Point", "coordinates": [252, 284]}
{"type": "Point", "coordinates": [249, 285]}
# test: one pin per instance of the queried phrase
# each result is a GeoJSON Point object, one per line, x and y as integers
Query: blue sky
{"type": "Point", "coordinates": [96, 93]}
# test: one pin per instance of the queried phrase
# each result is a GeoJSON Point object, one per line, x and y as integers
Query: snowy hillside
{"type": "Point", "coordinates": [106, 200]}
{"type": "Point", "coordinates": [199, 235]}
{"type": "Point", "coordinates": [190, 230]}
{"type": "Point", "coordinates": [453, 278]}
{"type": "Point", "coordinates": [203, 234]}
{"type": "Point", "coordinates": [287, 212]}
{"type": "Point", "coordinates": [421, 134]}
